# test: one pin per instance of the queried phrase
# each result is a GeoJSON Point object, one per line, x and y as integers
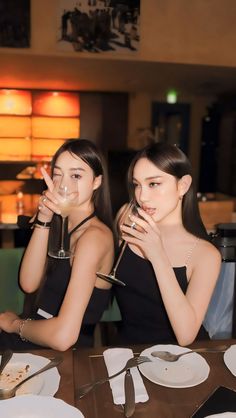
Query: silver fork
{"type": "Point", "coordinates": [167, 356]}
{"type": "Point", "coordinates": [132, 362]}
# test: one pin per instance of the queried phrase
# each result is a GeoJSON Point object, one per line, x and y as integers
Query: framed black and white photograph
{"type": "Point", "coordinates": [15, 23]}
{"type": "Point", "coordinates": [99, 26]}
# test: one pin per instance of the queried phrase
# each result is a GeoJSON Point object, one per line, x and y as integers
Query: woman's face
{"type": "Point", "coordinates": [157, 192]}
{"type": "Point", "coordinates": [73, 172]}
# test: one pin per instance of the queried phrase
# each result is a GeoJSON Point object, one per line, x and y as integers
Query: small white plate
{"type": "Point", "coordinates": [188, 371]}
{"type": "Point", "coordinates": [223, 415]}
{"type": "Point", "coordinates": [230, 359]}
{"type": "Point", "coordinates": [33, 406]}
{"type": "Point", "coordinates": [45, 384]}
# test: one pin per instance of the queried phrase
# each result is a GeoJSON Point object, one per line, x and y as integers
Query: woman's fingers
{"type": "Point", "coordinates": [49, 201]}
{"type": "Point", "coordinates": [130, 232]}
{"type": "Point", "coordinates": [141, 223]}
{"type": "Point", "coordinates": [47, 179]}
{"type": "Point", "coordinates": [146, 217]}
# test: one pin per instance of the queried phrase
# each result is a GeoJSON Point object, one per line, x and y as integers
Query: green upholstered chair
{"type": "Point", "coordinates": [11, 297]}
{"type": "Point", "coordinates": [108, 323]}
{"type": "Point", "coordinates": [112, 313]}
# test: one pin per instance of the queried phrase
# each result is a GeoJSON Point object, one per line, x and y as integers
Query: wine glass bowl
{"type": "Point", "coordinates": [125, 218]}
{"type": "Point", "coordinates": [66, 202]}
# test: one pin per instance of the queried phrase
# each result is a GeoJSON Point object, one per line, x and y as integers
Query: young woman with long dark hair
{"type": "Point", "coordinates": [71, 298]}
{"type": "Point", "coordinates": [169, 266]}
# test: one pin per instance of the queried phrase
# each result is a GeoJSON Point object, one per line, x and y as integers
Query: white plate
{"type": "Point", "coordinates": [223, 415]}
{"type": "Point", "coordinates": [45, 384]}
{"type": "Point", "coordinates": [33, 406]}
{"type": "Point", "coordinates": [230, 359]}
{"type": "Point", "coordinates": [188, 371]}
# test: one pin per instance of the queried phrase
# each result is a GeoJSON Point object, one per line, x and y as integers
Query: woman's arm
{"type": "Point", "coordinates": [34, 259]}
{"type": "Point", "coordinates": [33, 263]}
{"type": "Point", "coordinates": [185, 311]}
{"type": "Point", "coordinates": [62, 332]}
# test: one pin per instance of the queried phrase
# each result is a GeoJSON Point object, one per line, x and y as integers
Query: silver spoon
{"type": "Point", "coordinates": [167, 356]}
{"type": "Point", "coordinates": [10, 393]}
{"type": "Point", "coordinates": [6, 356]}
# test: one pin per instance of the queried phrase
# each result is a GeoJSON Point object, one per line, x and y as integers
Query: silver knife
{"type": "Point", "coordinates": [6, 357]}
{"type": "Point", "coordinates": [129, 407]}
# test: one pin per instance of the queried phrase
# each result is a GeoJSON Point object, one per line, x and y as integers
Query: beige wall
{"type": "Point", "coordinates": [189, 31]}
{"type": "Point", "coordinates": [175, 31]}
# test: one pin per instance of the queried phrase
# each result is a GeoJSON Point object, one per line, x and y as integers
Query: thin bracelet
{"type": "Point", "coordinates": [45, 224]}
{"type": "Point", "coordinates": [21, 327]}
{"type": "Point", "coordinates": [40, 226]}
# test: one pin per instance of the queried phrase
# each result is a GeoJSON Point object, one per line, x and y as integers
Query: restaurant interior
{"type": "Point", "coordinates": [178, 85]}
{"type": "Point", "coordinates": [120, 101]}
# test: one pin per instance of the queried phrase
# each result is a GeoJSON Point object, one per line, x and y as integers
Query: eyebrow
{"type": "Point", "coordinates": [150, 178]}
{"type": "Point", "coordinates": [71, 169]}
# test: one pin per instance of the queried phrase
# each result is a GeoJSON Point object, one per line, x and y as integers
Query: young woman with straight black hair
{"type": "Point", "coordinates": [169, 266]}
{"type": "Point", "coordinates": [71, 299]}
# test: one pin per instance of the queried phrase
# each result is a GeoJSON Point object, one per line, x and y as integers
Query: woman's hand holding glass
{"type": "Point", "coordinates": [48, 202]}
{"type": "Point", "coordinates": [146, 234]}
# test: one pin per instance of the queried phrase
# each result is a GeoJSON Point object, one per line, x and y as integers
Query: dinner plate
{"type": "Point", "coordinates": [230, 359]}
{"type": "Point", "coordinates": [188, 371]}
{"type": "Point", "coordinates": [33, 406]}
{"type": "Point", "coordinates": [223, 415]}
{"type": "Point", "coordinates": [22, 365]}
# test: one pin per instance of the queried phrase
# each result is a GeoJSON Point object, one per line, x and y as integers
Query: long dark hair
{"type": "Point", "coordinates": [89, 153]}
{"type": "Point", "coordinates": [171, 160]}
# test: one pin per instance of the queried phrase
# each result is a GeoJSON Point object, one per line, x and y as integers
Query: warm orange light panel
{"type": "Point", "coordinates": [44, 149]}
{"type": "Point", "coordinates": [15, 126]}
{"type": "Point", "coordinates": [56, 104]}
{"type": "Point", "coordinates": [15, 102]}
{"type": "Point", "coordinates": [43, 127]}
{"type": "Point", "coordinates": [15, 149]}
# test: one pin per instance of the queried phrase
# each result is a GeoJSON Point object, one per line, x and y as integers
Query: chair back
{"type": "Point", "coordinates": [11, 296]}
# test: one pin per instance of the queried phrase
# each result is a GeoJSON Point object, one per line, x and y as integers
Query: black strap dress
{"type": "Point", "coordinates": [144, 317]}
{"type": "Point", "coordinates": [50, 300]}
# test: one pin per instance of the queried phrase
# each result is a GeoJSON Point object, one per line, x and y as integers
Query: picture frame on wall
{"type": "Point", "coordinates": [15, 23]}
{"type": "Point", "coordinates": [99, 26]}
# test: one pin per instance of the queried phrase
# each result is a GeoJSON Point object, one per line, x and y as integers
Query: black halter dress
{"type": "Point", "coordinates": [50, 299]}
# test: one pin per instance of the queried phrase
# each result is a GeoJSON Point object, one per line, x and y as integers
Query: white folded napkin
{"type": "Point", "coordinates": [115, 359]}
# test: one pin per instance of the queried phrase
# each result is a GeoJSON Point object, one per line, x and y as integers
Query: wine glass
{"type": "Point", "coordinates": [66, 202]}
{"type": "Point", "coordinates": [125, 218]}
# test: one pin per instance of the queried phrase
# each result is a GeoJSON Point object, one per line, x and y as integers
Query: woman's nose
{"type": "Point", "coordinates": [143, 195]}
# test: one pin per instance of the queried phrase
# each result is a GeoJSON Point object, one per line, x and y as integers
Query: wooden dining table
{"type": "Point", "coordinates": [83, 365]}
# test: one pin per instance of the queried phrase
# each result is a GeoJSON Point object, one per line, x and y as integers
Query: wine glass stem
{"type": "Point", "coordinates": [123, 247]}
{"type": "Point", "coordinates": [62, 233]}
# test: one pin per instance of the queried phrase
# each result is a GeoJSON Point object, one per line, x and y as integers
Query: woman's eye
{"type": "Point", "coordinates": [56, 175]}
{"type": "Point", "coordinates": [135, 185]}
{"type": "Point", "coordinates": [76, 176]}
{"type": "Point", "coordinates": [154, 184]}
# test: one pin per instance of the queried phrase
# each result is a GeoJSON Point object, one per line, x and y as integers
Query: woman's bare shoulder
{"type": "Point", "coordinates": [206, 250]}
{"type": "Point", "coordinates": [98, 231]}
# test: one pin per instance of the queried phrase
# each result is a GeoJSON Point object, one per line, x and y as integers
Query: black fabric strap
{"type": "Point", "coordinates": [82, 222]}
